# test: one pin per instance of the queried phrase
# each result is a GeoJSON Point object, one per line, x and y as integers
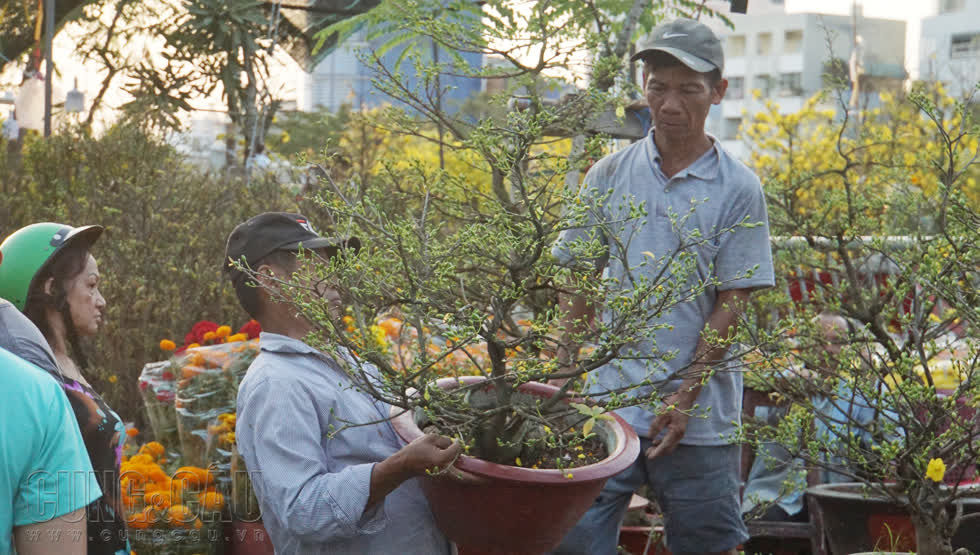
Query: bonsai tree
{"type": "Point", "coordinates": [882, 206]}
{"type": "Point", "coordinates": [456, 274]}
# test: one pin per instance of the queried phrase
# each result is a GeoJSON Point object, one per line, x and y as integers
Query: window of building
{"type": "Point", "coordinates": [735, 47]}
{"type": "Point", "coordinates": [763, 44]}
{"type": "Point", "coordinates": [790, 84]}
{"type": "Point", "coordinates": [966, 45]}
{"type": "Point", "coordinates": [736, 88]}
{"type": "Point", "coordinates": [729, 131]}
{"type": "Point", "coordinates": [793, 42]}
{"type": "Point", "coordinates": [951, 5]}
{"type": "Point", "coordinates": [763, 82]}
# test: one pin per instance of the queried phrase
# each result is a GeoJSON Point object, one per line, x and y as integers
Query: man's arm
{"type": "Point", "coordinates": [724, 321]}
{"type": "Point", "coordinates": [280, 439]}
{"type": "Point", "coordinates": [577, 315]}
{"type": "Point", "coordinates": [65, 535]}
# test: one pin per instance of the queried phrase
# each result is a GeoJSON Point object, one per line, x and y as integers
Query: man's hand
{"type": "Point", "coordinates": [430, 453]}
{"type": "Point", "coordinates": [674, 420]}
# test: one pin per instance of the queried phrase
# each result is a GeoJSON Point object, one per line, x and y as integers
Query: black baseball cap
{"type": "Point", "coordinates": [266, 233]}
{"type": "Point", "coordinates": [691, 42]}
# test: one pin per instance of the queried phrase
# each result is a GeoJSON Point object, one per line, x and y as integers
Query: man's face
{"type": "Point", "coordinates": [679, 100]}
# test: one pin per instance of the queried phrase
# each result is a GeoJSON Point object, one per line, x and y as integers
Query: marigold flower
{"type": "Point", "coordinates": [222, 332]}
{"type": "Point", "coordinates": [141, 520]}
{"type": "Point", "coordinates": [237, 337]}
{"type": "Point", "coordinates": [167, 345]}
{"type": "Point", "coordinates": [113, 379]}
{"type": "Point", "coordinates": [212, 500]}
{"type": "Point", "coordinates": [181, 516]}
{"type": "Point", "coordinates": [132, 432]}
{"type": "Point", "coordinates": [209, 336]}
{"type": "Point", "coordinates": [936, 470]}
{"type": "Point", "coordinates": [193, 345]}
{"type": "Point", "coordinates": [153, 449]}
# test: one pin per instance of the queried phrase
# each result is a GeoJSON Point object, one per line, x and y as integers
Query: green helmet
{"type": "Point", "coordinates": [26, 252]}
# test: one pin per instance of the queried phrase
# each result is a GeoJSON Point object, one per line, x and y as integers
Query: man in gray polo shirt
{"type": "Point", "coordinates": [688, 461]}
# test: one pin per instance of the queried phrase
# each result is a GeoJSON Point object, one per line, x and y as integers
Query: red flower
{"type": "Point", "coordinates": [251, 329]}
{"type": "Point", "coordinates": [199, 329]}
{"type": "Point", "coordinates": [143, 385]}
{"type": "Point", "coordinates": [167, 375]}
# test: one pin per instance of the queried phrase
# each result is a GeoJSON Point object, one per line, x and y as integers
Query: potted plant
{"type": "Point", "coordinates": [457, 247]}
{"type": "Point", "coordinates": [883, 207]}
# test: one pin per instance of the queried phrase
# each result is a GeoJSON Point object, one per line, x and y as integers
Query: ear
{"type": "Point", "coordinates": [49, 287]}
{"type": "Point", "coordinates": [718, 91]}
{"type": "Point", "coordinates": [266, 276]}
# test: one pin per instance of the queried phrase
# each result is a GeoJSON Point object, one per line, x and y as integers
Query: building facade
{"type": "Point", "coordinates": [787, 56]}
{"type": "Point", "coordinates": [949, 47]}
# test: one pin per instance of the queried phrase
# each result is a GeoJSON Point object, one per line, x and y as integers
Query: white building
{"type": "Point", "coordinates": [949, 49]}
{"type": "Point", "coordinates": [786, 55]}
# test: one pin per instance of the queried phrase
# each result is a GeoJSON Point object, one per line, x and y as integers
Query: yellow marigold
{"type": "Point", "coordinates": [223, 331]}
{"type": "Point", "coordinates": [167, 345]}
{"type": "Point", "coordinates": [237, 337]}
{"type": "Point", "coordinates": [936, 470]}
{"type": "Point", "coordinates": [228, 418]}
{"type": "Point", "coordinates": [209, 336]}
{"type": "Point", "coordinates": [228, 438]}
{"type": "Point", "coordinates": [212, 500]}
{"type": "Point", "coordinates": [113, 379]}
{"type": "Point", "coordinates": [193, 345]}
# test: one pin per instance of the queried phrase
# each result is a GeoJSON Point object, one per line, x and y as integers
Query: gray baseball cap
{"type": "Point", "coordinates": [691, 42]}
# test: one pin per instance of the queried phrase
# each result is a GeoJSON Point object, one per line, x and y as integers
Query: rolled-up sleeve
{"type": "Point", "coordinates": [280, 434]}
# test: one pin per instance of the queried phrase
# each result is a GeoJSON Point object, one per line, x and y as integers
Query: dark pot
{"type": "Point", "coordinates": [517, 510]}
{"type": "Point", "coordinates": [854, 521]}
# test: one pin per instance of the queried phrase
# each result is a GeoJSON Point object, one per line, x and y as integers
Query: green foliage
{"type": "Point", "coordinates": [883, 207]}
{"type": "Point", "coordinates": [160, 258]}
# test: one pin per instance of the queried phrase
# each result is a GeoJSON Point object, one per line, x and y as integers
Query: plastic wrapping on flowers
{"type": "Point", "coordinates": [158, 385]}
{"type": "Point", "coordinates": [205, 402]}
{"type": "Point", "coordinates": [170, 510]}
{"type": "Point", "coordinates": [244, 504]}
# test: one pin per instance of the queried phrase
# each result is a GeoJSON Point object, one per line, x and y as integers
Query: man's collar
{"type": "Point", "coordinates": [705, 168]}
{"type": "Point", "coordinates": [276, 343]}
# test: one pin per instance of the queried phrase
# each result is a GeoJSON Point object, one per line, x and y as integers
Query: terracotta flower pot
{"type": "Point", "coordinates": [855, 522]}
{"type": "Point", "coordinates": [517, 510]}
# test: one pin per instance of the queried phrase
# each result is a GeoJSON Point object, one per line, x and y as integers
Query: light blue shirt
{"type": "Point", "coordinates": [45, 471]}
{"type": "Point", "coordinates": [312, 471]}
{"type": "Point", "coordinates": [776, 476]}
{"type": "Point", "coordinates": [725, 192]}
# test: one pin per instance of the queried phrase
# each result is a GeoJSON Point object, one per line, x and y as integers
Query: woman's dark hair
{"type": "Point", "coordinates": [246, 288]}
{"type": "Point", "coordinates": [66, 265]}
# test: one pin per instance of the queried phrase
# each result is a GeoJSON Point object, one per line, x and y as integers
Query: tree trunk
{"type": "Point", "coordinates": [930, 537]}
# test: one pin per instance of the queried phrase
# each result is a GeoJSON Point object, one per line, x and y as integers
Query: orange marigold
{"type": "Point", "coordinates": [159, 499]}
{"type": "Point", "coordinates": [153, 449]}
{"type": "Point", "coordinates": [212, 500]}
{"type": "Point", "coordinates": [167, 345]}
{"type": "Point", "coordinates": [132, 432]}
{"type": "Point", "coordinates": [194, 476]}
{"type": "Point", "coordinates": [140, 521]}
{"type": "Point", "coordinates": [180, 515]}
{"type": "Point", "coordinates": [209, 336]}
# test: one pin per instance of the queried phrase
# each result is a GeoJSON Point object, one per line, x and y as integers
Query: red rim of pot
{"type": "Point", "coordinates": [624, 453]}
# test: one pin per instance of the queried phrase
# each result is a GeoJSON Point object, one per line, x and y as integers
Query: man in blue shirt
{"type": "Point", "coordinates": [324, 486]}
{"type": "Point", "coordinates": [704, 203]}
{"type": "Point", "coordinates": [46, 479]}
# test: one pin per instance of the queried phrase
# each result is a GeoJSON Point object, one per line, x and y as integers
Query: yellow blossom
{"type": "Point", "coordinates": [936, 470]}
{"type": "Point", "coordinates": [222, 331]}
{"type": "Point", "coordinates": [237, 337]}
{"type": "Point", "coordinates": [113, 379]}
